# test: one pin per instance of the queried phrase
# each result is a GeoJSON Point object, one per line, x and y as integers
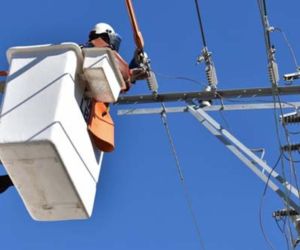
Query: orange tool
{"type": "Point", "coordinates": [138, 37]}
{"type": "Point", "coordinates": [139, 42]}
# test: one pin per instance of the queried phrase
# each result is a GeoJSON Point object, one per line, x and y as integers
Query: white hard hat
{"type": "Point", "coordinates": [103, 28]}
{"type": "Point", "coordinates": [105, 31]}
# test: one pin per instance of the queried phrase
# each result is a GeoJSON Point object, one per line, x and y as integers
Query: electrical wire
{"type": "Point", "coordinates": [218, 94]}
{"type": "Point", "coordinates": [227, 125]}
{"type": "Point", "coordinates": [278, 225]}
{"type": "Point", "coordinates": [294, 132]}
{"type": "Point", "coordinates": [286, 235]}
{"type": "Point", "coordinates": [286, 158]}
{"type": "Point", "coordinates": [261, 205]}
{"type": "Point", "coordinates": [276, 98]}
{"type": "Point", "coordinates": [291, 49]}
{"type": "Point", "coordinates": [281, 229]}
{"type": "Point", "coordinates": [200, 23]}
{"type": "Point", "coordinates": [294, 172]}
{"type": "Point", "coordinates": [181, 78]}
{"type": "Point", "coordinates": [181, 177]}
{"type": "Point", "coordinates": [286, 191]}
{"type": "Point", "coordinates": [263, 13]}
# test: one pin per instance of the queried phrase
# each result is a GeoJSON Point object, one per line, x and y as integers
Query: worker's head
{"type": "Point", "coordinates": [107, 33]}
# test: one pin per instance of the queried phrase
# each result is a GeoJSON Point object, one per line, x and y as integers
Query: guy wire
{"type": "Point", "coordinates": [181, 176]}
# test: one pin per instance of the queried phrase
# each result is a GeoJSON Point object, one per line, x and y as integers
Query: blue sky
{"type": "Point", "coordinates": [140, 204]}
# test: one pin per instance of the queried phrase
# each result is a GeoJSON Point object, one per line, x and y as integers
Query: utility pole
{"type": "Point", "coordinates": [198, 104]}
{"type": "Point", "coordinates": [258, 166]}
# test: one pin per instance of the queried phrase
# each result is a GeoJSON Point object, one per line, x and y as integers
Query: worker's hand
{"type": "Point", "coordinates": [138, 74]}
{"type": "Point", "coordinates": [135, 61]}
{"type": "Point", "coordinates": [140, 59]}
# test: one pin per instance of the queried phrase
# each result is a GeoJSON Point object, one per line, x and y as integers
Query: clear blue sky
{"type": "Point", "coordinates": [140, 204]}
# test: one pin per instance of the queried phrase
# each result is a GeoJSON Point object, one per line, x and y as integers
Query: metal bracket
{"type": "Point", "coordinates": [252, 161]}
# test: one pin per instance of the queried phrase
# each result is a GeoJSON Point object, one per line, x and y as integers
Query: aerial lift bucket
{"type": "Point", "coordinates": [44, 142]}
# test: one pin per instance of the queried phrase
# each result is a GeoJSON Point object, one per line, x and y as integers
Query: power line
{"type": "Point", "coordinates": [261, 204]}
{"type": "Point", "coordinates": [274, 78]}
{"type": "Point", "coordinates": [287, 193]}
{"type": "Point", "coordinates": [264, 19]}
{"type": "Point", "coordinates": [275, 92]}
{"type": "Point", "coordinates": [200, 23]}
{"type": "Point", "coordinates": [273, 71]}
{"type": "Point", "coordinates": [286, 133]}
{"type": "Point", "coordinates": [181, 177]}
{"type": "Point", "coordinates": [291, 49]}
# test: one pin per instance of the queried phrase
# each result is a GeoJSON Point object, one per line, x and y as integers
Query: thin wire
{"type": "Point", "coordinates": [292, 165]}
{"type": "Point", "coordinates": [278, 225]}
{"type": "Point", "coordinates": [264, 19]}
{"type": "Point", "coordinates": [291, 49]}
{"type": "Point", "coordinates": [221, 112]}
{"type": "Point", "coordinates": [287, 223]}
{"type": "Point", "coordinates": [181, 176]}
{"type": "Point", "coordinates": [218, 94]}
{"type": "Point", "coordinates": [181, 78]}
{"type": "Point", "coordinates": [283, 231]}
{"type": "Point", "coordinates": [262, 4]}
{"type": "Point", "coordinates": [286, 191]}
{"type": "Point", "coordinates": [263, 13]}
{"type": "Point", "coordinates": [294, 132]}
{"type": "Point", "coordinates": [261, 205]}
{"type": "Point", "coordinates": [295, 161]}
{"type": "Point", "coordinates": [200, 23]}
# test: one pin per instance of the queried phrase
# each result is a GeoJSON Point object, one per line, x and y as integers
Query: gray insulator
{"type": "Point", "coordinates": [211, 75]}
{"type": "Point", "coordinates": [292, 76]}
{"type": "Point", "coordinates": [295, 118]}
{"type": "Point", "coordinates": [273, 73]}
{"type": "Point", "coordinates": [152, 82]}
{"type": "Point", "coordinates": [292, 147]}
{"type": "Point", "coordinates": [283, 213]}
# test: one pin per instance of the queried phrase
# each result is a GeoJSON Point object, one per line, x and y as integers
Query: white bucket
{"type": "Point", "coordinates": [44, 143]}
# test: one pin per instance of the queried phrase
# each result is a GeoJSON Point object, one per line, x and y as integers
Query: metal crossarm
{"type": "Point", "coordinates": [252, 161]}
{"type": "Point", "coordinates": [244, 106]}
{"type": "Point", "coordinates": [209, 95]}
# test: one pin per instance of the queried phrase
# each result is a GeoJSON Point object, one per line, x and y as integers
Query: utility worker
{"type": "Point", "coordinates": [100, 123]}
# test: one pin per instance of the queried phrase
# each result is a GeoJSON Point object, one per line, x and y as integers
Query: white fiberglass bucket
{"type": "Point", "coordinates": [44, 143]}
